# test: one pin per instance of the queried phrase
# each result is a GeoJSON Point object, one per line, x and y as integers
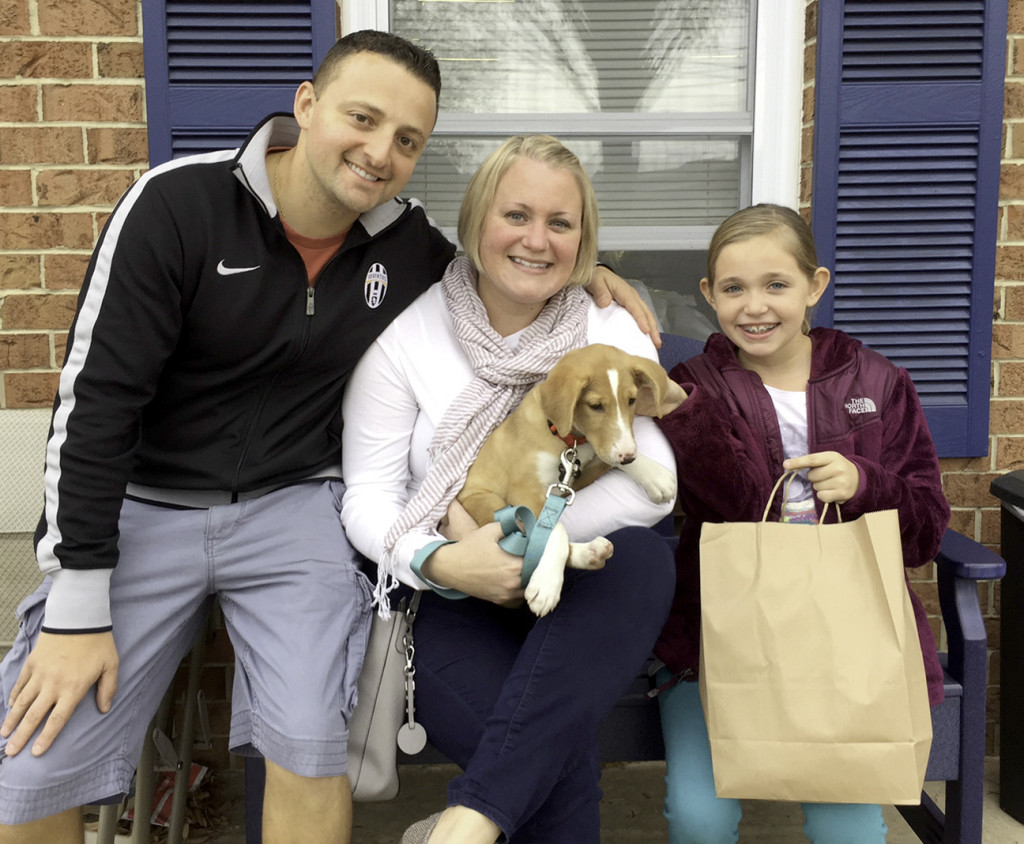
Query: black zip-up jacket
{"type": "Point", "coordinates": [201, 359]}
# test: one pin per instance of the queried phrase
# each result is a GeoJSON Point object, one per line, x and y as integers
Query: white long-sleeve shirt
{"type": "Point", "coordinates": [401, 389]}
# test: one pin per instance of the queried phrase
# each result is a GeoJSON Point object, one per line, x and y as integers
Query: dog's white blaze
{"type": "Point", "coordinates": [613, 380]}
{"type": "Point", "coordinates": [624, 442]}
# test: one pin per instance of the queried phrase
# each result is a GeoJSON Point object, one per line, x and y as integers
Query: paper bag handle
{"type": "Point", "coordinates": [788, 478]}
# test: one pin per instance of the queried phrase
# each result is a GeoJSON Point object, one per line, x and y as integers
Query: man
{"type": "Point", "coordinates": [195, 446]}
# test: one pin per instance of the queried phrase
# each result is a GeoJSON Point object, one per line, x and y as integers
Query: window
{"type": "Point", "coordinates": [666, 102]}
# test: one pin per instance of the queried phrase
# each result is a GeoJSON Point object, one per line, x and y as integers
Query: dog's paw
{"type": "Point", "coordinates": [661, 488]}
{"type": "Point", "coordinates": [544, 591]}
{"type": "Point", "coordinates": [590, 555]}
{"type": "Point", "coordinates": [658, 482]}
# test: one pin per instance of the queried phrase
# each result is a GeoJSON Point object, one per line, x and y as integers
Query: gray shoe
{"type": "Point", "coordinates": [420, 831]}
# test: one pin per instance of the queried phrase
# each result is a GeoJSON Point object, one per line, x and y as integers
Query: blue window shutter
{"type": "Point", "coordinates": [907, 132]}
{"type": "Point", "coordinates": [214, 69]}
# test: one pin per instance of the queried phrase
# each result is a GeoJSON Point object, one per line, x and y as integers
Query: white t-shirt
{"type": "Point", "coordinates": [791, 411]}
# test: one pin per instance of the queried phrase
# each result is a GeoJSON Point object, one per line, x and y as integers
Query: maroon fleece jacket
{"type": "Point", "coordinates": [729, 454]}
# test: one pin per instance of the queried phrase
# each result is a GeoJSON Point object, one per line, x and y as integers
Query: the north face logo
{"type": "Point", "coordinates": [375, 287]}
{"type": "Point", "coordinates": [858, 406]}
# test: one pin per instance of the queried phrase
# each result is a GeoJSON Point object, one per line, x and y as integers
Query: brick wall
{"type": "Point", "coordinates": [73, 137]}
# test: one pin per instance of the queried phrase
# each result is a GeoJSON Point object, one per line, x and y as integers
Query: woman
{"type": "Point", "coordinates": [514, 700]}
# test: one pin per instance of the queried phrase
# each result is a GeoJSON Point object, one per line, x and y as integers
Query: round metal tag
{"type": "Point", "coordinates": [411, 739]}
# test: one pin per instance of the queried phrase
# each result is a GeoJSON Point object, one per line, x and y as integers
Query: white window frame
{"type": "Point", "coordinates": [774, 127]}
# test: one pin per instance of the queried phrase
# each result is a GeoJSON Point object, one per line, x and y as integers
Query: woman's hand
{"type": "Point", "coordinates": [834, 478]}
{"type": "Point", "coordinates": [478, 566]}
{"type": "Point", "coordinates": [605, 287]}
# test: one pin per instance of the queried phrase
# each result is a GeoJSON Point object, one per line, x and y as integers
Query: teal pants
{"type": "Point", "coordinates": [696, 815]}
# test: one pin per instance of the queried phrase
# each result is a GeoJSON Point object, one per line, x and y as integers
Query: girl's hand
{"type": "Point", "coordinates": [478, 566]}
{"type": "Point", "coordinates": [834, 478]}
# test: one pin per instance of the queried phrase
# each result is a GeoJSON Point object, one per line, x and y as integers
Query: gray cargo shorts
{"type": "Point", "coordinates": [296, 608]}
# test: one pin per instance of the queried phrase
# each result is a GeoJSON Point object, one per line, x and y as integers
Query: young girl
{"type": "Point", "coordinates": [767, 395]}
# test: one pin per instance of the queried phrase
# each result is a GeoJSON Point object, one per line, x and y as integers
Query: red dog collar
{"type": "Point", "coordinates": [571, 440]}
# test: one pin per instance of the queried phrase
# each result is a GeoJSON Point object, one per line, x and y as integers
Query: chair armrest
{"type": "Point", "coordinates": [961, 563]}
{"type": "Point", "coordinates": [964, 558]}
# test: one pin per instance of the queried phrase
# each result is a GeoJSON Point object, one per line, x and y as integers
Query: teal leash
{"type": "Point", "coordinates": [526, 535]}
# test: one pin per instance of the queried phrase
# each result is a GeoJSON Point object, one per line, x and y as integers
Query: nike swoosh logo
{"type": "Point", "coordinates": [223, 270]}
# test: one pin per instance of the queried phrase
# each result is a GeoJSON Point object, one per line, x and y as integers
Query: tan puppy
{"type": "Point", "coordinates": [589, 398]}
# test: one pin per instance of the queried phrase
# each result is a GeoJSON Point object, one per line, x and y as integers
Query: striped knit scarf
{"type": "Point", "coordinates": [501, 378]}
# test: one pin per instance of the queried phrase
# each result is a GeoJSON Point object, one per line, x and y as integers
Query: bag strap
{"type": "Point", "coordinates": [788, 478]}
{"type": "Point", "coordinates": [412, 737]}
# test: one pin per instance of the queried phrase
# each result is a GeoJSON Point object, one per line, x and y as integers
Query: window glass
{"type": "Point", "coordinates": [670, 181]}
{"type": "Point", "coordinates": [586, 56]}
{"type": "Point", "coordinates": [670, 281]}
{"type": "Point", "coordinates": [654, 96]}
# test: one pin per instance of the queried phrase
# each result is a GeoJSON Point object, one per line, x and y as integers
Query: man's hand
{"type": "Point", "coordinates": [57, 675]}
{"type": "Point", "coordinates": [834, 478]}
{"type": "Point", "coordinates": [605, 286]}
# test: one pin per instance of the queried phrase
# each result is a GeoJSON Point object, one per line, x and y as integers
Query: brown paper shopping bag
{"type": "Point", "coordinates": [811, 673]}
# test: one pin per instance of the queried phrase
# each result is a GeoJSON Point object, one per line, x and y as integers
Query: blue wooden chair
{"type": "Point", "coordinates": [958, 723]}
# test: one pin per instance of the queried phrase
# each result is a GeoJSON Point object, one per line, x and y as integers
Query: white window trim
{"type": "Point", "coordinates": [777, 118]}
{"type": "Point", "coordinates": [778, 111]}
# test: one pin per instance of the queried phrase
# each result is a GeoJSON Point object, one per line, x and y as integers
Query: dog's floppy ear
{"type": "Point", "coordinates": [559, 393]}
{"type": "Point", "coordinates": [657, 394]}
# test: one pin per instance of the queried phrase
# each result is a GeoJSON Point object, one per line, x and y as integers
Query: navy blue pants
{"type": "Point", "coordinates": [516, 701]}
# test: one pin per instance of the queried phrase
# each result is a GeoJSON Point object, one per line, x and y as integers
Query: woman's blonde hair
{"type": "Point", "coordinates": [484, 185]}
{"type": "Point", "coordinates": [765, 218]}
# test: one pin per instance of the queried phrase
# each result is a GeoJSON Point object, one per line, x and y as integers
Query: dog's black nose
{"type": "Point", "coordinates": [628, 460]}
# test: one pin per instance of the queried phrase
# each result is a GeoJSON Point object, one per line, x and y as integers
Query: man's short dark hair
{"type": "Point", "coordinates": [419, 61]}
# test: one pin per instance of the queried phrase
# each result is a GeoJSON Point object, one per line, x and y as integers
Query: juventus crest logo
{"type": "Point", "coordinates": [375, 287]}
